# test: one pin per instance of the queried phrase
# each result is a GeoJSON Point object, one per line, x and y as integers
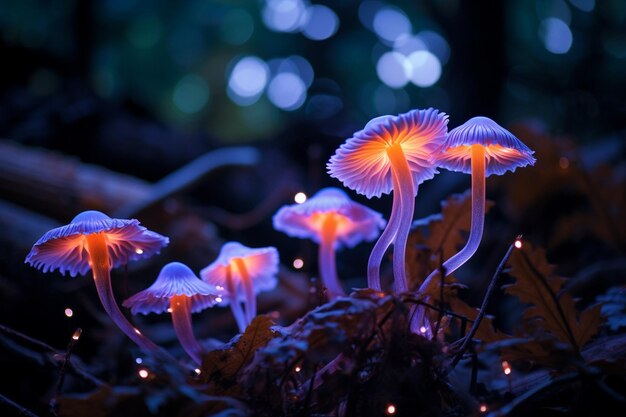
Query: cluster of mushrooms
{"type": "Point", "coordinates": [392, 153]}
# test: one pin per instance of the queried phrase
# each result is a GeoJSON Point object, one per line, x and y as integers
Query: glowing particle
{"type": "Point", "coordinates": [390, 410]}
{"type": "Point", "coordinates": [518, 244]}
{"type": "Point", "coordinates": [298, 263]}
{"type": "Point", "coordinates": [219, 299]}
{"type": "Point", "coordinates": [143, 373]}
{"type": "Point", "coordinates": [423, 329]}
{"type": "Point", "coordinates": [219, 288]}
{"type": "Point", "coordinates": [506, 368]}
{"type": "Point", "coordinates": [299, 198]}
{"type": "Point", "coordinates": [563, 162]}
{"type": "Point", "coordinates": [197, 371]}
{"type": "Point", "coordinates": [77, 334]}
{"type": "Point", "coordinates": [69, 312]}
{"type": "Point", "coordinates": [138, 361]}
{"type": "Point", "coordinates": [137, 331]}
{"type": "Point", "coordinates": [169, 310]}
{"type": "Point", "coordinates": [297, 369]}
{"type": "Point", "coordinates": [138, 251]}
{"type": "Point", "coordinates": [483, 408]}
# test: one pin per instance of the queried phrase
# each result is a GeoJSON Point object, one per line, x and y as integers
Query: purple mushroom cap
{"type": "Point", "coordinates": [355, 222]}
{"type": "Point", "coordinates": [261, 265]}
{"type": "Point", "coordinates": [362, 164]}
{"type": "Point", "coordinates": [503, 151]}
{"type": "Point", "coordinates": [174, 279]}
{"type": "Point", "coordinates": [64, 248]}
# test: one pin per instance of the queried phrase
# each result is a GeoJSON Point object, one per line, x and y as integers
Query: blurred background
{"type": "Point", "coordinates": [100, 100]}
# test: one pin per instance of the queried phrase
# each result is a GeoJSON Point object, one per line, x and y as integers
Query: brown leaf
{"type": "Point", "coordinates": [550, 307]}
{"type": "Point", "coordinates": [222, 366]}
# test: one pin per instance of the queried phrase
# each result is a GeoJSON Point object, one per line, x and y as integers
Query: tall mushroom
{"type": "Point", "coordinates": [391, 153]}
{"type": "Point", "coordinates": [240, 273]}
{"type": "Point", "coordinates": [332, 220]}
{"type": "Point", "coordinates": [177, 290]}
{"type": "Point", "coordinates": [95, 241]}
{"type": "Point", "coordinates": [479, 147]}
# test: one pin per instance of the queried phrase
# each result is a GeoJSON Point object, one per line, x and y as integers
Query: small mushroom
{"type": "Point", "coordinates": [391, 153]}
{"type": "Point", "coordinates": [95, 241]}
{"type": "Point", "coordinates": [332, 220]}
{"type": "Point", "coordinates": [479, 147]}
{"type": "Point", "coordinates": [241, 273]}
{"type": "Point", "coordinates": [177, 290]}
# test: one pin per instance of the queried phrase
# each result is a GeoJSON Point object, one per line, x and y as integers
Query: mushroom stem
{"type": "Point", "coordinates": [476, 228]}
{"type": "Point", "coordinates": [326, 258]}
{"type": "Point", "coordinates": [248, 290]}
{"type": "Point", "coordinates": [381, 245]}
{"type": "Point", "coordinates": [406, 195]}
{"type": "Point", "coordinates": [181, 320]}
{"type": "Point", "coordinates": [233, 295]}
{"type": "Point", "coordinates": [101, 267]}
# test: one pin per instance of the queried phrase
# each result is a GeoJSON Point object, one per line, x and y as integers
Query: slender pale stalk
{"type": "Point", "coordinates": [96, 246]}
{"type": "Point", "coordinates": [406, 194]}
{"type": "Point", "coordinates": [382, 244]}
{"type": "Point", "coordinates": [326, 258]}
{"type": "Point", "coordinates": [476, 227]}
{"type": "Point", "coordinates": [233, 296]}
{"type": "Point", "coordinates": [180, 306]}
{"type": "Point", "coordinates": [248, 290]}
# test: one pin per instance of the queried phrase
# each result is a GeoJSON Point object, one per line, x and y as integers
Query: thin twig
{"type": "Point", "coordinates": [64, 366]}
{"type": "Point", "coordinates": [57, 353]}
{"type": "Point", "coordinates": [413, 300]}
{"type": "Point", "coordinates": [21, 411]}
{"type": "Point", "coordinates": [483, 308]}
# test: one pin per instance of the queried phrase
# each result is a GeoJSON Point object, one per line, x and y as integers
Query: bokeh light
{"type": "Point", "coordinates": [247, 80]}
{"type": "Point", "coordinates": [394, 69]}
{"type": "Point", "coordinates": [390, 23]}
{"type": "Point", "coordinates": [321, 23]}
{"type": "Point", "coordinates": [425, 68]}
{"type": "Point", "coordinates": [556, 35]}
{"type": "Point", "coordinates": [287, 91]}
{"type": "Point", "coordinates": [284, 15]}
{"type": "Point", "coordinates": [191, 94]}
{"type": "Point", "coordinates": [237, 27]}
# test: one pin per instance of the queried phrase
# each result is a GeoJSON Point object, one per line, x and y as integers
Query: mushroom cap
{"type": "Point", "coordinates": [64, 248]}
{"type": "Point", "coordinates": [503, 151]}
{"type": "Point", "coordinates": [261, 265]}
{"type": "Point", "coordinates": [362, 164]}
{"type": "Point", "coordinates": [174, 279]}
{"type": "Point", "coordinates": [355, 222]}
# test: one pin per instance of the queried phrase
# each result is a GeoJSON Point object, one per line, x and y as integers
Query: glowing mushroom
{"type": "Point", "coordinates": [479, 147]}
{"type": "Point", "coordinates": [332, 220]}
{"type": "Point", "coordinates": [391, 153]}
{"type": "Point", "coordinates": [177, 290]}
{"type": "Point", "coordinates": [241, 273]}
{"type": "Point", "coordinates": [95, 241]}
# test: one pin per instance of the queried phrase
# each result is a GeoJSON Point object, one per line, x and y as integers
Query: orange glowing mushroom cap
{"type": "Point", "coordinates": [362, 163]}
{"type": "Point", "coordinates": [175, 279]}
{"type": "Point", "coordinates": [261, 265]}
{"type": "Point", "coordinates": [355, 222]}
{"type": "Point", "coordinates": [503, 151]}
{"type": "Point", "coordinates": [64, 247]}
